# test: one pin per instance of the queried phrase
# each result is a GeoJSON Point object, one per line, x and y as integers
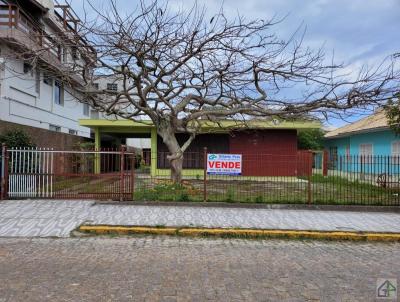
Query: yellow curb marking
{"type": "Point", "coordinates": [251, 233]}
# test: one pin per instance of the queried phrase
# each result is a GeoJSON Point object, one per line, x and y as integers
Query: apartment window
{"type": "Point", "coordinates": [96, 86]}
{"type": "Point", "coordinates": [64, 55]}
{"type": "Point", "coordinates": [37, 81]}
{"type": "Point", "coordinates": [47, 79]}
{"type": "Point", "coordinates": [112, 86]}
{"type": "Point", "coordinates": [54, 128]}
{"type": "Point", "coordinates": [72, 132]}
{"type": "Point", "coordinates": [86, 109]}
{"type": "Point", "coordinates": [94, 114]}
{"type": "Point", "coordinates": [396, 152]}
{"type": "Point", "coordinates": [59, 52]}
{"type": "Point", "coordinates": [74, 53]}
{"type": "Point", "coordinates": [366, 151]}
{"type": "Point", "coordinates": [27, 68]}
{"type": "Point", "coordinates": [58, 93]}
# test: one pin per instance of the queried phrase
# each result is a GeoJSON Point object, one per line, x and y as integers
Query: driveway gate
{"type": "Point", "coordinates": [47, 173]}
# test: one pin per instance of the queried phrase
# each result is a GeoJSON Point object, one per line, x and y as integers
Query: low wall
{"type": "Point", "coordinates": [45, 138]}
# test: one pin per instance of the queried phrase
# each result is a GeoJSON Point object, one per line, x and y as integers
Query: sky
{"type": "Point", "coordinates": [357, 32]}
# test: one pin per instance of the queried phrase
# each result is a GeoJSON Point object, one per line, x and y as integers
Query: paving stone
{"type": "Point", "coordinates": [184, 269]}
{"type": "Point", "coordinates": [57, 218]}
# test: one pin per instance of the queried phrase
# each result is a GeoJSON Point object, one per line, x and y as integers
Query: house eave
{"type": "Point", "coordinates": [346, 134]}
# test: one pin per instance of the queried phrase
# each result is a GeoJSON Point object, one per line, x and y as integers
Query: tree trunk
{"type": "Point", "coordinates": [176, 169]}
{"type": "Point", "coordinates": [176, 155]}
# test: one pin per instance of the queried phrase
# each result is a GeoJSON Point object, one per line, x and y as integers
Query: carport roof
{"type": "Point", "coordinates": [206, 126]}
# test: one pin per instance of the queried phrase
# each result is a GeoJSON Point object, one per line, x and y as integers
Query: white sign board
{"type": "Point", "coordinates": [224, 164]}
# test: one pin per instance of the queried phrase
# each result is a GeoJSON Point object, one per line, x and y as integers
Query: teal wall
{"type": "Point", "coordinates": [381, 141]}
{"type": "Point", "coordinates": [382, 149]}
{"type": "Point", "coordinates": [340, 143]}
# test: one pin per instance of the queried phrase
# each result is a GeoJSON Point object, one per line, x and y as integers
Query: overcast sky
{"type": "Point", "coordinates": [357, 31]}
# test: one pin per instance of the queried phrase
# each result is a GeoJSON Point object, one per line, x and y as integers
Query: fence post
{"type": "Point", "coordinates": [2, 174]}
{"type": "Point", "coordinates": [309, 172]}
{"type": "Point", "coordinates": [325, 163]}
{"type": "Point", "coordinates": [121, 173]}
{"type": "Point", "coordinates": [133, 163]}
{"type": "Point", "coordinates": [205, 174]}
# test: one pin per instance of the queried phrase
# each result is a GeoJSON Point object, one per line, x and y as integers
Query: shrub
{"type": "Point", "coordinates": [184, 196]}
{"type": "Point", "coordinates": [230, 194]}
{"type": "Point", "coordinates": [17, 138]}
{"type": "Point", "coordinates": [258, 199]}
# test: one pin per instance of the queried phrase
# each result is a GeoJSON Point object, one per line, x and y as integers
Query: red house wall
{"type": "Point", "coordinates": [267, 152]}
{"type": "Point", "coordinates": [264, 152]}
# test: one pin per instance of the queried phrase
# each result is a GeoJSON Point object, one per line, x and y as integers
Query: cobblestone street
{"type": "Point", "coordinates": [182, 269]}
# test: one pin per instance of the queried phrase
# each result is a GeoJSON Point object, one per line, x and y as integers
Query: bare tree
{"type": "Point", "coordinates": [181, 68]}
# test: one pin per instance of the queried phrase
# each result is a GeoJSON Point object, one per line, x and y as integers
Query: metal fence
{"type": "Point", "coordinates": [303, 178]}
{"type": "Point", "coordinates": [74, 174]}
{"type": "Point", "coordinates": [2, 172]}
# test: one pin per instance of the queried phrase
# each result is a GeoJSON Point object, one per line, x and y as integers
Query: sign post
{"type": "Point", "coordinates": [205, 174]}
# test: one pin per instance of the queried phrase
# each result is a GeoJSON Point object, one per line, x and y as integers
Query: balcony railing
{"type": "Point", "coordinates": [12, 17]}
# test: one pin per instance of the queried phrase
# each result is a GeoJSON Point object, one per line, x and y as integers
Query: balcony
{"type": "Point", "coordinates": [26, 34]}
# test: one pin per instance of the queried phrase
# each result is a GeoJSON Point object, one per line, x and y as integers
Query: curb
{"type": "Point", "coordinates": [238, 233]}
{"type": "Point", "coordinates": [245, 205]}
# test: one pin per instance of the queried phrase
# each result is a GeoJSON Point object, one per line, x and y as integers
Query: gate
{"type": "Point", "coordinates": [46, 173]}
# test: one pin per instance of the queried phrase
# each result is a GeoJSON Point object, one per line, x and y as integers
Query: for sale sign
{"type": "Point", "coordinates": [224, 164]}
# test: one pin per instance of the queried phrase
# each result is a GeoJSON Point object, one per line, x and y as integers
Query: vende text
{"type": "Point", "coordinates": [224, 165]}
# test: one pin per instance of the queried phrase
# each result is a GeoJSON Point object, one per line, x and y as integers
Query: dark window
{"type": "Point", "coordinates": [37, 81]}
{"type": "Point", "coordinates": [96, 86]}
{"type": "Point", "coordinates": [74, 53]}
{"type": "Point", "coordinates": [112, 86]}
{"type": "Point", "coordinates": [27, 67]}
{"type": "Point", "coordinates": [72, 132]}
{"type": "Point", "coordinates": [58, 93]}
{"type": "Point", "coordinates": [65, 55]}
{"type": "Point", "coordinates": [193, 157]}
{"type": "Point", "coordinates": [333, 157]}
{"type": "Point", "coordinates": [47, 79]}
{"type": "Point", "coordinates": [54, 128]}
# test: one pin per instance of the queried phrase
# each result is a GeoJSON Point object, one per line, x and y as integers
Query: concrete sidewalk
{"type": "Point", "coordinates": [57, 218]}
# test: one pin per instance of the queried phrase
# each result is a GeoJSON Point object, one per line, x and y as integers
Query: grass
{"type": "Point", "coordinates": [62, 183]}
{"type": "Point", "coordinates": [332, 190]}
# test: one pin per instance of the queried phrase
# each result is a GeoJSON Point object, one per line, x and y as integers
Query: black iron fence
{"type": "Point", "coordinates": [301, 178]}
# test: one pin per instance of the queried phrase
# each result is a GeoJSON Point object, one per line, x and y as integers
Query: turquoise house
{"type": "Point", "coordinates": [367, 146]}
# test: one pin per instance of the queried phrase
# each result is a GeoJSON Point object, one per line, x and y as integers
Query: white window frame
{"type": "Point", "coordinates": [395, 154]}
{"type": "Point", "coordinates": [367, 158]}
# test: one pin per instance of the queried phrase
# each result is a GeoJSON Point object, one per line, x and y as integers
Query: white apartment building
{"type": "Point", "coordinates": [29, 94]}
